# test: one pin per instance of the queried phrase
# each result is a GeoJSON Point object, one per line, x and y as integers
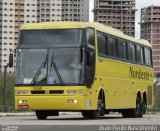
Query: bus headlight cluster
{"type": "Point", "coordinates": [72, 92]}
{"type": "Point", "coordinates": [73, 101]}
{"type": "Point", "coordinates": [22, 101]}
{"type": "Point", "coordinates": [22, 92]}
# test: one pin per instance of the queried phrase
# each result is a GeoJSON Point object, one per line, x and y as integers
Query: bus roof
{"type": "Point", "coordinates": [96, 25]}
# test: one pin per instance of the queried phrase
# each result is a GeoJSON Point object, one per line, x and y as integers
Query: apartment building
{"type": "Point", "coordinates": [150, 30]}
{"type": "Point", "coordinates": [119, 14]}
{"type": "Point", "coordinates": [75, 10]}
{"type": "Point", "coordinates": [14, 13]}
{"type": "Point", "coordinates": [7, 35]}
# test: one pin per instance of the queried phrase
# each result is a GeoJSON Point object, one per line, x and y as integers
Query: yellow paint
{"type": "Point", "coordinates": [111, 75]}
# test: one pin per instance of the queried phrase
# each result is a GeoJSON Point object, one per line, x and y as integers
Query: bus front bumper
{"type": "Point", "coordinates": [50, 103]}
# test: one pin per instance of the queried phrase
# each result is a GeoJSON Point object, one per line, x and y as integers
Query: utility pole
{"type": "Point", "coordinates": [5, 89]}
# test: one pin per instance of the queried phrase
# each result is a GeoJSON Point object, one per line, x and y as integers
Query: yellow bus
{"type": "Point", "coordinates": [82, 66]}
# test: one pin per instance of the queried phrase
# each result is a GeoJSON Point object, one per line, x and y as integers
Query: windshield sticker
{"type": "Point", "coordinates": [50, 80]}
{"type": "Point", "coordinates": [27, 80]}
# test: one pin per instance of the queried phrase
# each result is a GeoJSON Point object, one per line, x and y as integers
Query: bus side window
{"type": "Point", "coordinates": [131, 52]}
{"type": "Point", "coordinates": [148, 58]}
{"type": "Point", "coordinates": [122, 50]}
{"type": "Point", "coordinates": [102, 44]}
{"type": "Point", "coordinates": [139, 54]}
{"type": "Point", "coordinates": [113, 47]}
{"type": "Point", "coordinates": [90, 34]}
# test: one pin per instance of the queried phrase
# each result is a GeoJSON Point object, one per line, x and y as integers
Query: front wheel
{"type": "Point", "coordinates": [41, 115]}
{"type": "Point", "coordinates": [95, 114]}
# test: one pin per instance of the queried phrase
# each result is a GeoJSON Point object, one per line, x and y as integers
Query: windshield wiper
{"type": "Point", "coordinates": [39, 71]}
{"type": "Point", "coordinates": [56, 69]}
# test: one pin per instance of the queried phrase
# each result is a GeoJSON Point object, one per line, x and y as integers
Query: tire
{"type": "Point", "coordinates": [144, 107]}
{"type": "Point", "coordinates": [95, 114]}
{"type": "Point", "coordinates": [138, 112]}
{"type": "Point", "coordinates": [41, 115]}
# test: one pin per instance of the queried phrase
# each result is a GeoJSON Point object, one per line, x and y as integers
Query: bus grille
{"type": "Point", "coordinates": [38, 92]}
{"type": "Point", "coordinates": [50, 92]}
{"type": "Point", "coordinates": [56, 91]}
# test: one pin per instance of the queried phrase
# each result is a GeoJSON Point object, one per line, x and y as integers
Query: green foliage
{"type": "Point", "coordinates": [10, 89]}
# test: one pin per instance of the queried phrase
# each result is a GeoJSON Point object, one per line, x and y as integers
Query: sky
{"type": "Point", "coordinates": [139, 4]}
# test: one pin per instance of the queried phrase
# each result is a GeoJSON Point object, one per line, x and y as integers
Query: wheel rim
{"type": "Point", "coordinates": [100, 106]}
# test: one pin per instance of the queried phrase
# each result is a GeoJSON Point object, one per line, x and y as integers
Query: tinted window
{"type": "Point", "coordinates": [113, 47]}
{"type": "Point", "coordinates": [148, 57]}
{"type": "Point", "coordinates": [131, 52]}
{"type": "Point", "coordinates": [102, 44]}
{"type": "Point", "coordinates": [90, 36]}
{"type": "Point", "coordinates": [139, 54]}
{"type": "Point", "coordinates": [56, 36]}
{"type": "Point", "coordinates": [122, 49]}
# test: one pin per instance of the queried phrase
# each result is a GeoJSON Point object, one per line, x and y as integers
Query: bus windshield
{"type": "Point", "coordinates": [49, 66]}
{"type": "Point", "coordinates": [47, 37]}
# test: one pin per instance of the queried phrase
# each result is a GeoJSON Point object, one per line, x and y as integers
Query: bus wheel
{"type": "Point", "coordinates": [144, 106]}
{"type": "Point", "coordinates": [41, 115]}
{"type": "Point", "coordinates": [138, 112]}
{"type": "Point", "coordinates": [95, 114]}
{"type": "Point", "coordinates": [101, 106]}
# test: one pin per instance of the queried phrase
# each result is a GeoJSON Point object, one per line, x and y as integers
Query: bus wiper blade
{"type": "Point", "coordinates": [39, 71]}
{"type": "Point", "coordinates": [56, 69]}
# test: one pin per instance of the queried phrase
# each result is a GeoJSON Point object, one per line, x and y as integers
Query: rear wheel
{"type": "Point", "coordinates": [41, 115]}
{"type": "Point", "coordinates": [138, 112]}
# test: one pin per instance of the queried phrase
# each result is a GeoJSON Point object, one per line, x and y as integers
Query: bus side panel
{"type": "Point", "coordinates": [120, 86]}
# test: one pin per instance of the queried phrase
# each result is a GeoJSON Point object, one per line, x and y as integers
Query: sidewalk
{"type": "Point", "coordinates": [5, 114]}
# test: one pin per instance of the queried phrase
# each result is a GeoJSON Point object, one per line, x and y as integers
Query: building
{"type": "Point", "coordinates": [14, 13]}
{"type": "Point", "coordinates": [119, 14]}
{"type": "Point", "coordinates": [150, 30]}
{"type": "Point", "coordinates": [7, 33]}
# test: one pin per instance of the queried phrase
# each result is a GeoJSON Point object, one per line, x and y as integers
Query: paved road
{"type": "Point", "coordinates": [64, 122]}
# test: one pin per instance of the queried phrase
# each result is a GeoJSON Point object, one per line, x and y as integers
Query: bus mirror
{"type": "Point", "coordinates": [11, 60]}
{"type": "Point", "coordinates": [91, 67]}
{"type": "Point", "coordinates": [90, 57]}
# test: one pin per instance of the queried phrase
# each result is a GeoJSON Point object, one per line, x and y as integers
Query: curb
{"type": "Point", "coordinates": [3, 114]}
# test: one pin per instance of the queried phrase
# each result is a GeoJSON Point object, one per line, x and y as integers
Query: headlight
{"type": "Point", "coordinates": [25, 92]}
{"type": "Point", "coordinates": [74, 101]}
{"type": "Point", "coordinates": [22, 92]}
{"type": "Point", "coordinates": [22, 102]}
{"type": "Point", "coordinates": [81, 92]}
{"type": "Point", "coordinates": [19, 92]}
{"type": "Point", "coordinates": [72, 92]}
